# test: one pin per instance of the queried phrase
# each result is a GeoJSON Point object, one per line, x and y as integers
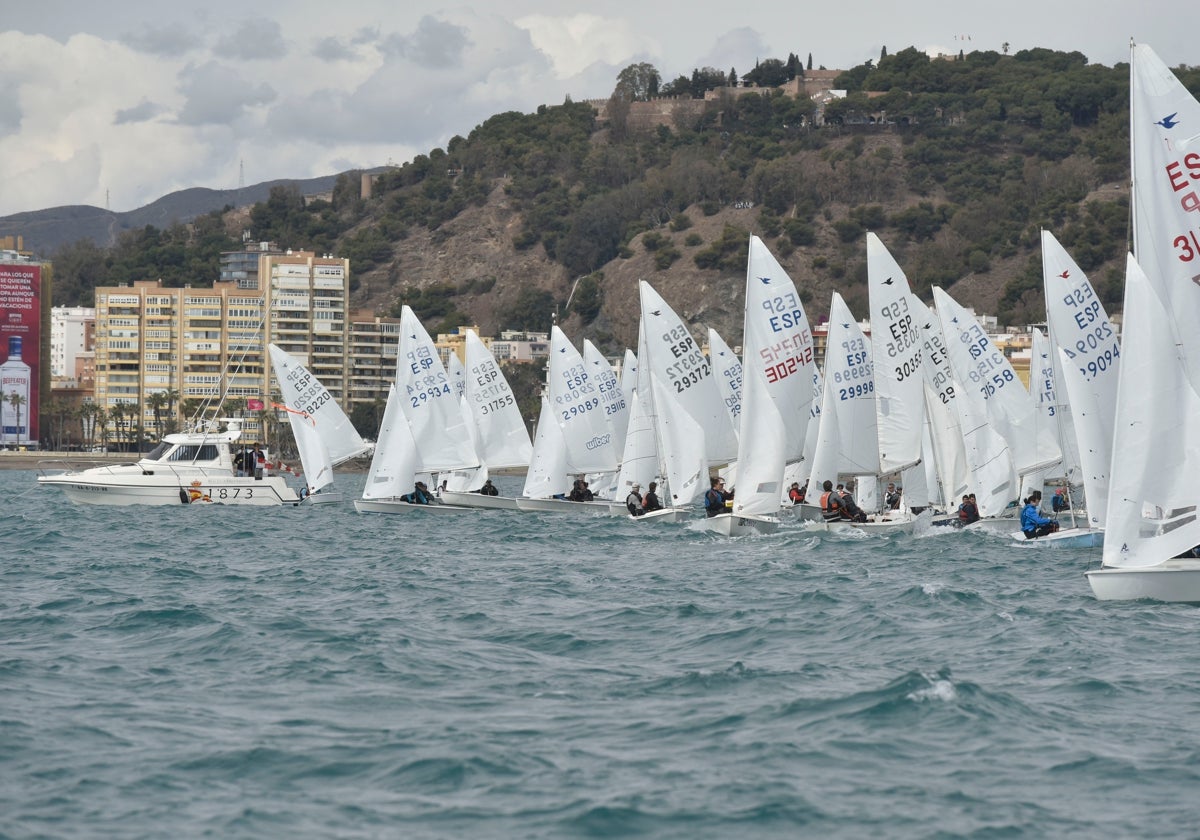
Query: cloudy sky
{"type": "Point", "coordinates": [125, 101]}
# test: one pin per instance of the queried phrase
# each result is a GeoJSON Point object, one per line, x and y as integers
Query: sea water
{"type": "Point", "coordinates": [315, 672]}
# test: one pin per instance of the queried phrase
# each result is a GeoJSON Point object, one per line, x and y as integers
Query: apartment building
{"type": "Point", "coordinates": [308, 297]}
{"type": "Point", "coordinates": [72, 332]}
{"type": "Point", "coordinates": [192, 344]}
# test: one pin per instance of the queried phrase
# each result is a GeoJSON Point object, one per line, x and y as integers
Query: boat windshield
{"type": "Point", "coordinates": [157, 452]}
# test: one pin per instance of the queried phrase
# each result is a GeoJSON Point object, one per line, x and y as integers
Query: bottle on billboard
{"type": "Point", "coordinates": [14, 379]}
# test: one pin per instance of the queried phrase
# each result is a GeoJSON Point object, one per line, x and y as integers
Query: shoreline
{"type": "Point", "coordinates": [31, 460]}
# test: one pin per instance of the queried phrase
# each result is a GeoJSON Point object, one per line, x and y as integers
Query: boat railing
{"type": "Point", "coordinates": [59, 466]}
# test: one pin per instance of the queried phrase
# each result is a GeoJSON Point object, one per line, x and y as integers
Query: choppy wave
{"type": "Point", "coordinates": [230, 672]}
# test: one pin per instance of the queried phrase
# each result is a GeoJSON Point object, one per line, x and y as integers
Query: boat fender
{"type": "Point", "coordinates": [184, 497]}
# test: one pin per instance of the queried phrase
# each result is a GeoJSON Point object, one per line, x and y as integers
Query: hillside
{"type": "Point", "coordinates": [45, 231]}
{"type": "Point", "coordinates": [956, 165]}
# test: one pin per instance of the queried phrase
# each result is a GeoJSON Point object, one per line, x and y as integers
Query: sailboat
{"type": "Point", "coordinates": [1151, 518]}
{"type": "Point", "coordinates": [945, 446]}
{"type": "Point", "coordinates": [500, 437]}
{"type": "Point", "coordinates": [1152, 505]}
{"type": "Point", "coordinates": [692, 429]}
{"type": "Point", "coordinates": [1081, 372]}
{"type": "Point", "coordinates": [996, 405]}
{"type": "Point", "coordinates": [896, 351]}
{"type": "Point", "coordinates": [573, 437]}
{"type": "Point", "coordinates": [324, 435]}
{"type": "Point", "coordinates": [423, 430]}
{"type": "Point", "coordinates": [728, 370]}
{"type": "Point", "coordinates": [616, 415]}
{"type": "Point", "coordinates": [650, 452]}
{"type": "Point", "coordinates": [777, 366]}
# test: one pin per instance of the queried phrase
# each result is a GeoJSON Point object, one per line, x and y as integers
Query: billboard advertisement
{"type": "Point", "coordinates": [20, 352]}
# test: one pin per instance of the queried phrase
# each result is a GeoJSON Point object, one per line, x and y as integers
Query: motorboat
{"type": "Point", "coordinates": [192, 467]}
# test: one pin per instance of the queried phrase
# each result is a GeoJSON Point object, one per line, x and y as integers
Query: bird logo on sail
{"type": "Point", "coordinates": [1168, 122]}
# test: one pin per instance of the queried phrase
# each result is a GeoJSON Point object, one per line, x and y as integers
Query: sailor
{"type": "Point", "coordinates": [832, 509]}
{"type": "Point", "coordinates": [634, 501]}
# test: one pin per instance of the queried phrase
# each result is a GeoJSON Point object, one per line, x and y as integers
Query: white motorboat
{"type": "Point", "coordinates": [193, 467]}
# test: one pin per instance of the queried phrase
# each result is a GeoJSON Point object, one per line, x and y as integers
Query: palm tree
{"type": "Point", "coordinates": [172, 397]}
{"type": "Point", "coordinates": [17, 400]}
{"type": "Point", "coordinates": [88, 413]}
{"type": "Point", "coordinates": [118, 413]}
{"type": "Point", "coordinates": [158, 401]}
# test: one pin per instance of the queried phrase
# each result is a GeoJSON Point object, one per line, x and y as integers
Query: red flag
{"type": "Point", "coordinates": [254, 405]}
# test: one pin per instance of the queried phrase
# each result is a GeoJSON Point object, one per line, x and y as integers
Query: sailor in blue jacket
{"type": "Point", "coordinates": [1033, 524]}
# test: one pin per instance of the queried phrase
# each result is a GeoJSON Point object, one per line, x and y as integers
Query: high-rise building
{"type": "Point", "coordinates": [241, 267]}
{"type": "Point", "coordinates": [308, 297]}
{"type": "Point", "coordinates": [189, 345]}
{"type": "Point", "coordinates": [72, 332]}
{"type": "Point", "coordinates": [194, 346]}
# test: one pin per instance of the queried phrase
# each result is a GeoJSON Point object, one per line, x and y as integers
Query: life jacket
{"type": "Point", "coordinates": [828, 511]}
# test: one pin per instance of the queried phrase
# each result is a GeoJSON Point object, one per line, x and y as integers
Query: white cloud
{"type": "Point", "coordinates": [435, 45]}
{"type": "Point", "coordinates": [575, 42]}
{"type": "Point", "coordinates": [256, 39]}
{"type": "Point", "coordinates": [143, 111]}
{"type": "Point", "coordinates": [218, 94]}
{"type": "Point", "coordinates": [169, 39]}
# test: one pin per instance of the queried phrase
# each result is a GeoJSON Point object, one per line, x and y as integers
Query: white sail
{"type": "Point", "coordinates": [1152, 504]}
{"type": "Point", "coordinates": [943, 420]}
{"type": "Point", "coordinates": [578, 409]}
{"type": "Point", "coordinates": [394, 463]}
{"type": "Point", "coordinates": [548, 470]}
{"type": "Point", "coordinates": [324, 434]}
{"type": "Point", "coordinates": [502, 437]}
{"type": "Point", "coordinates": [800, 471]}
{"type": "Point", "coordinates": [429, 403]}
{"type": "Point", "coordinates": [640, 459]}
{"type": "Point", "coordinates": [826, 456]}
{"type": "Point", "coordinates": [1087, 338]}
{"type": "Point", "coordinates": [302, 392]}
{"type": "Point", "coordinates": [982, 369]}
{"type": "Point", "coordinates": [896, 350]}
{"type": "Point", "coordinates": [468, 478]}
{"type": "Point", "coordinates": [677, 362]}
{"type": "Point", "coordinates": [1043, 387]}
{"type": "Point", "coordinates": [849, 380]}
{"type": "Point", "coordinates": [777, 345]}
{"type": "Point", "coordinates": [681, 445]}
{"type": "Point", "coordinates": [989, 459]}
{"type": "Point", "coordinates": [612, 395]}
{"type": "Point", "coordinates": [1164, 121]}
{"type": "Point", "coordinates": [1094, 437]}
{"type": "Point", "coordinates": [728, 369]}
{"type": "Point", "coordinates": [616, 415]}
{"type": "Point", "coordinates": [629, 372]}
{"type": "Point", "coordinates": [777, 383]}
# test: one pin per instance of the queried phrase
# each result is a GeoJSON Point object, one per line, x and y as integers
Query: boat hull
{"type": "Point", "coordinates": [735, 525]}
{"type": "Point", "coordinates": [399, 506]}
{"type": "Point", "coordinates": [1066, 538]}
{"type": "Point", "coordinates": [595, 508]}
{"type": "Point", "coordinates": [1175, 581]}
{"type": "Point", "coordinates": [669, 515]}
{"type": "Point", "coordinates": [122, 488]}
{"type": "Point", "coordinates": [478, 500]}
{"type": "Point", "coordinates": [887, 524]}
